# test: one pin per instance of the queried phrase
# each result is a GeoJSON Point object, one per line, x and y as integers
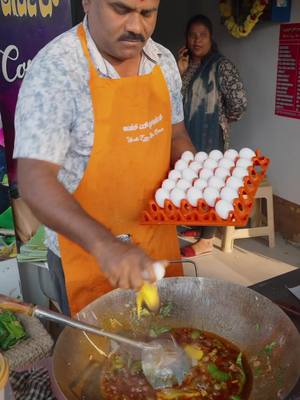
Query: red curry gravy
{"type": "Point", "coordinates": [219, 372]}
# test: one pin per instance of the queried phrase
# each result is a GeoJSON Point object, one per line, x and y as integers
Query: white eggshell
{"type": "Point", "coordinates": [215, 155]}
{"type": "Point", "coordinates": [231, 154]}
{"type": "Point", "coordinates": [216, 182]}
{"type": "Point", "coordinates": [226, 163]}
{"type": "Point", "coordinates": [180, 165]}
{"type": "Point", "coordinates": [168, 184]}
{"type": "Point", "coordinates": [195, 166]}
{"type": "Point", "coordinates": [176, 196]}
{"type": "Point", "coordinates": [205, 173]}
{"type": "Point", "coordinates": [244, 163]}
{"type": "Point", "coordinates": [240, 172]}
{"type": "Point", "coordinates": [200, 184]}
{"type": "Point", "coordinates": [201, 156]}
{"type": "Point", "coordinates": [222, 173]}
{"type": "Point", "coordinates": [174, 175]}
{"type": "Point", "coordinates": [210, 163]}
{"type": "Point", "coordinates": [187, 156]}
{"type": "Point", "coordinates": [193, 195]}
{"type": "Point", "coordinates": [189, 174]}
{"type": "Point", "coordinates": [234, 182]}
{"type": "Point", "coordinates": [223, 208]}
{"type": "Point", "coordinates": [247, 153]}
{"type": "Point", "coordinates": [183, 184]}
{"type": "Point", "coordinates": [160, 196]}
{"type": "Point", "coordinates": [210, 195]}
{"type": "Point", "coordinates": [229, 194]}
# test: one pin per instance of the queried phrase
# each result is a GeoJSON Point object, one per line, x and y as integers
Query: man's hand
{"type": "Point", "coordinates": [183, 60]}
{"type": "Point", "coordinates": [125, 265]}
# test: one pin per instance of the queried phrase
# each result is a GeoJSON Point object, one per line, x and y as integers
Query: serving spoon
{"type": "Point", "coordinates": [164, 363]}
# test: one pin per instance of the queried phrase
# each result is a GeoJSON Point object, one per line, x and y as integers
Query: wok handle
{"type": "Point", "coordinates": [185, 260]}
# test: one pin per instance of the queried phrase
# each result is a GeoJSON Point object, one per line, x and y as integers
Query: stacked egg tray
{"type": "Point", "coordinates": [202, 214]}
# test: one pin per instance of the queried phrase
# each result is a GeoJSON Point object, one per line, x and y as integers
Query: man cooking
{"type": "Point", "coordinates": [99, 120]}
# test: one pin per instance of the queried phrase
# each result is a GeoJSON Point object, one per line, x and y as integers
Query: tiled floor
{"type": "Point", "coordinates": [250, 262]}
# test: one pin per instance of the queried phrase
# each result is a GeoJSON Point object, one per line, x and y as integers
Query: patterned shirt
{"type": "Point", "coordinates": [54, 119]}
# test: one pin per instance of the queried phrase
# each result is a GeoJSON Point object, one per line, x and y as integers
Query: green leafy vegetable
{"type": "Point", "coordinates": [239, 363]}
{"type": "Point", "coordinates": [195, 334]}
{"type": "Point", "coordinates": [235, 398]}
{"type": "Point", "coordinates": [217, 374]}
{"type": "Point", "coordinates": [165, 310]}
{"type": "Point", "coordinates": [156, 331]}
{"type": "Point", "coordinates": [269, 348]}
{"type": "Point", "coordinates": [11, 330]}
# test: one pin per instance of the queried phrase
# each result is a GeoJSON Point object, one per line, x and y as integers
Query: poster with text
{"type": "Point", "coordinates": [288, 72]}
{"type": "Point", "coordinates": [25, 27]}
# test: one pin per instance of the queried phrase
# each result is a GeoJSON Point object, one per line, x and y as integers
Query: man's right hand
{"type": "Point", "coordinates": [183, 60]}
{"type": "Point", "coordinates": [125, 265]}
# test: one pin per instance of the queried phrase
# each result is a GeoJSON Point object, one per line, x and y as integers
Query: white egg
{"type": "Point", "coordinates": [176, 196]}
{"type": "Point", "coordinates": [226, 163]}
{"type": "Point", "coordinates": [193, 195]}
{"type": "Point", "coordinates": [189, 174]}
{"type": "Point", "coordinates": [200, 184]}
{"type": "Point", "coordinates": [168, 185]}
{"type": "Point", "coordinates": [201, 156]}
{"type": "Point", "coordinates": [231, 154]}
{"type": "Point", "coordinates": [174, 175]}
{"type": "Point", "coordinates": [244, 163]}
{"type": "Point", "coordinates": [210, 195]}
{"type": "Point", "coordinates": [216, 182]}
{"type": "Point", "coordinates": [239, 172]}
{"type": "Point", "coordinates": [215, 155]}
{"type": "Point", "coordinates": [180, 165]}
{"type": "Point", "coordinates": [160, 196]}
{"type": "Point", "coordinates": [205, 173]}
{"type": "Point", "coordinates": [247, 153]}
{"type": "Point", "coordinates": [187, 156]}
{"type": "Point", "coordinates": [195, 166]}
{"type": "Point", "coordinates": [183, 184]}
{"type": "Point", "coordinates": [223, 208]}
{"type": "Point", "coordinates": [222, 173]}
{"type": "Point", "coordinates": [210, 163]}
{"type": "Point", "coordinates": [229, 194]}
{"type": "Point", "coordinates": [234, 182]}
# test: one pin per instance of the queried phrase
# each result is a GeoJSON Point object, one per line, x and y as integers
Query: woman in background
{"type": "Point", "coordinates": [213, 97]}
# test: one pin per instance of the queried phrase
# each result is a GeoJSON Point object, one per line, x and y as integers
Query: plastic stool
{"type": "Point", "coordinates": [231, 233]}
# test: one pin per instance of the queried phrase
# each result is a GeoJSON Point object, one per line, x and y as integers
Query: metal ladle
{"type": "Point", "coordinates": [164, 363]}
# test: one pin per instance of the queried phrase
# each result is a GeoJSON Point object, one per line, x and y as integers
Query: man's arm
{"type": "Point", "coordinates": [180, 142]}
{"type": "Point", "coordinates": [55, 207]}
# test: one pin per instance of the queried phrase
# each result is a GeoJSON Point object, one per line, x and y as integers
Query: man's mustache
{"type": "Point", "coordinates": [132, 37]}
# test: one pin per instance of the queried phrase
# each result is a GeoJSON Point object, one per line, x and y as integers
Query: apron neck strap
{"type": "Point", "coordinates": [82, 37]}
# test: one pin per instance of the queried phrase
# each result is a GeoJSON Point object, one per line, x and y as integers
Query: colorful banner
{"type": "Point", "coordinates": [25, 27]}
{"type": "Point", "coordinates": [288, 72]}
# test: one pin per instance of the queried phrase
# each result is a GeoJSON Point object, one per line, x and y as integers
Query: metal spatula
{"type": "Point", "coordinates": [164, 363]}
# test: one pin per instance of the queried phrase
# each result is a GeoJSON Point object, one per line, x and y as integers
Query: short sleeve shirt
{"type": "Point", "coordinates": [54, 119]}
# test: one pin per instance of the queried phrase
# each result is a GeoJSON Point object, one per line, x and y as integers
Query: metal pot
{"type": "Point", "coordinates": [259, 328]}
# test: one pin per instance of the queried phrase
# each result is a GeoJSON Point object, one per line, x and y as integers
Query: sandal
{"type": "Point", "coordinates": [190, 235]}
{"type": "Point", "coordinates": [189, 252]}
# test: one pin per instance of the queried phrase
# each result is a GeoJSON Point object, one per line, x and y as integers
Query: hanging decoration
{"type": "Point", "coordinates": [242, 30]}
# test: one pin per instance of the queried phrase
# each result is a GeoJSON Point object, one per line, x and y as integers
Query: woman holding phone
{"type": "Point", "coordinates": [213, 97]}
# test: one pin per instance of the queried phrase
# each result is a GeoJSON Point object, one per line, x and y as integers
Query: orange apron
{"type": "Point", "coordinates": [129, 159]}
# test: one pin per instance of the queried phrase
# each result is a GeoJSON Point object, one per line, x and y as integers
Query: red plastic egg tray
{"type": "Point", "coordinates": [206, 215]}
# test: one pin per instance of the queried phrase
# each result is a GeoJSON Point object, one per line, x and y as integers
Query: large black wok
{"type": "Point", "coordinates": [258, 327]}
